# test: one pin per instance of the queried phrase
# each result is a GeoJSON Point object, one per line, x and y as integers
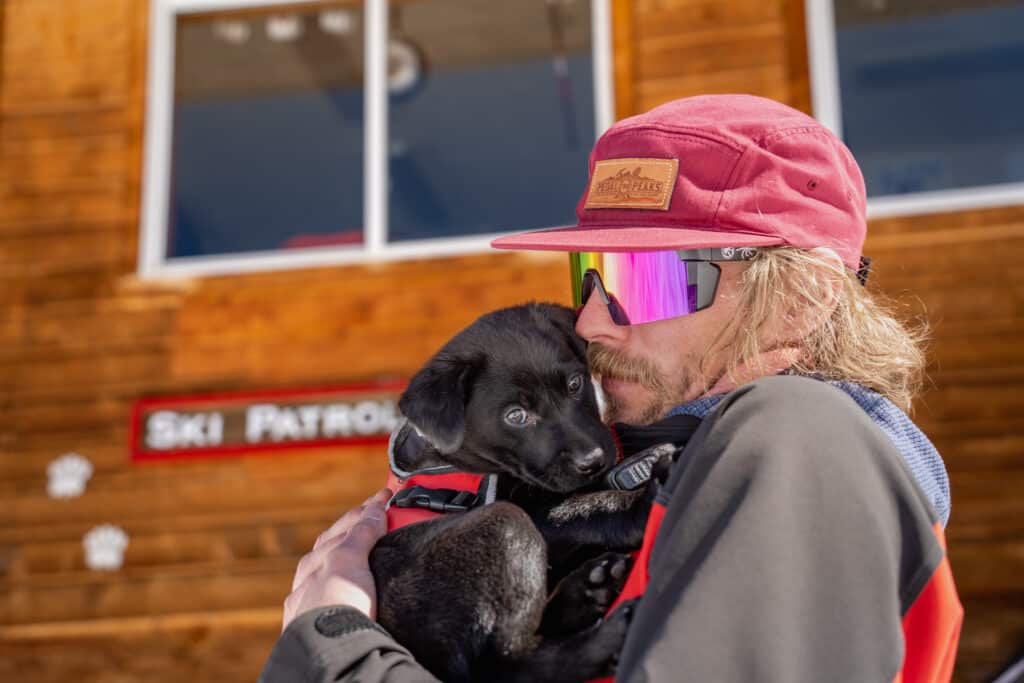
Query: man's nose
{"type": "Point", "coordinates": [594, 323]}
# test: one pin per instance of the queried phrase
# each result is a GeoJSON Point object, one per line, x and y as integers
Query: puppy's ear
{"type": "Point", "coordinates": [564, 320]}
{"type": "Point", "coordinates": [435, 400]}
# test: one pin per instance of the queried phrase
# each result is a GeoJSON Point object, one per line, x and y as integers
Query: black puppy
{"type": "Point", "coordinates": [467, 592]}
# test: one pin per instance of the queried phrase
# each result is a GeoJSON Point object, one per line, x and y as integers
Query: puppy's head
{"type": "Point", "coordinates": [510, 394]}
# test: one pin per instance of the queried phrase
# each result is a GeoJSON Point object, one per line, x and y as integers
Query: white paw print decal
{"type": "Point", "coordinates": [104, 547]}
{"type": "Point", "coordinates": [67, 476]}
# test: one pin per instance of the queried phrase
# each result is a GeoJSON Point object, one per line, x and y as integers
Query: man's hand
{"type": "Point", "coordinates": [337, 570]}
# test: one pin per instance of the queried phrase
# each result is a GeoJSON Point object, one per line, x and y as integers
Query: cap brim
{"type": "Point", "coordinates": [630, 238]}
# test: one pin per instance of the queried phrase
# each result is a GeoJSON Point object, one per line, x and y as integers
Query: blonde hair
{"type": "Point", "coordinates": [861, 340]}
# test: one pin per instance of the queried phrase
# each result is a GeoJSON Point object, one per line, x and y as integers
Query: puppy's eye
{"type": "Point", "coordinates": [575, 384]}
{"type": "Point", "coordinates": [517, 417]}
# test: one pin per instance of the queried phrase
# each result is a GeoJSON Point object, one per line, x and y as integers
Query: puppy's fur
{"type": "Point", "coordinates": [466, 592]}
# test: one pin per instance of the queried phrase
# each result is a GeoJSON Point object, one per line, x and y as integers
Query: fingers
{"type": "Point", "coordinates": [348, 520]}
{"type": "Point", "coordinates": [353, 547]}
{"type": "Point", "coordinates": [291, 604]}
{"type": "Point", "coordinates": [336, 571]}
{"type": "Point", "coordinates": [363, 525]}
{"type": "Point", "coordinates": [308, 564]}
{"type": "Point", "coordinates": [367, 531]}
{"type": "Point", "coordinates": [340, 527]}
{"type": "Point", "coordinates": [383, 496]}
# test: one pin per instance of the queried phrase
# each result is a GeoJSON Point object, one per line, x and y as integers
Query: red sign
{"type": "Point", "coordinates": [215, 425]}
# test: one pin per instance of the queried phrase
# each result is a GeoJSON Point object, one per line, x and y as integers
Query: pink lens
{"type": "Point", "coordinates": [649, 286]}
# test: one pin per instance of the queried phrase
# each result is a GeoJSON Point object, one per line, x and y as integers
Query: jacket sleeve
{"type": "Point", "coordinates": [794, 541]}
{"type": "Point", "coordinates": [340, 644]}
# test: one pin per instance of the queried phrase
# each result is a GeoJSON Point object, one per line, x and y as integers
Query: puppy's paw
{"type": "Point", "coordinates": [583, 597]}
{"type": "Point", "coordinates": [604, 579]}
{"type": "Point", "coordinates": [591, 653]}
{"type": "Point", "coordinates": [603, 649]}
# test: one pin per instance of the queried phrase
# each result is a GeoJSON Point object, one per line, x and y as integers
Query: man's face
{"type": "Point", "coordinates": [646, 370]}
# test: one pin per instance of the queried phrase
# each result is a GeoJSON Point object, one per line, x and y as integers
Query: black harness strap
{"type": "Point", "coordinates": [436, 500]}
{"type": "Point", "coordinates": [646, 446]}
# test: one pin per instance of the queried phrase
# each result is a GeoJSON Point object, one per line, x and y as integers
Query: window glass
{"type": "Point", "coordinates": [931, 92]}
{"type": "Point", "coordinates": [268, 131]}
{"type": "Point", "coordinates": [491, 115]}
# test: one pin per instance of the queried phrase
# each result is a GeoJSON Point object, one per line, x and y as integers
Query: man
{"type": "Point", "coordinates": [719, 272]}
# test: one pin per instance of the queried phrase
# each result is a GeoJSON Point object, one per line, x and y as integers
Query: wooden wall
{"type": "Point", "coordinates": [214, 543]}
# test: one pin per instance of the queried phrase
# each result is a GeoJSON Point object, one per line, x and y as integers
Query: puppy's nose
{"type": "Point", "coordinates": [590, 462]}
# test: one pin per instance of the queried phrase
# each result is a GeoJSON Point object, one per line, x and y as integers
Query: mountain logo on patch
{"type": "Point", "coordinates": [632, 184]}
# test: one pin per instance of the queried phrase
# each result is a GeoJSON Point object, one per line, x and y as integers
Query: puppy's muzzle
{"type": "Point", "coordinates": [590, 462]}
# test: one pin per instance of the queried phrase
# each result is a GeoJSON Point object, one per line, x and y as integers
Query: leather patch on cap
{"type": "Point", "coordinates": [632, 184]}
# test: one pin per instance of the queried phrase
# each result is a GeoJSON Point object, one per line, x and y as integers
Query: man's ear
{"type": "Point", "coordinates": [435, 400]}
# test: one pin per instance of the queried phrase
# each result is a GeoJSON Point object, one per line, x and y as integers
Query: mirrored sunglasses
{"type": "Point", "coordinates": [645, 287]}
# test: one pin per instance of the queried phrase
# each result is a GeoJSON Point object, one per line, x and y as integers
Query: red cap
{"type": "Point", "coordinates": [715, 171]}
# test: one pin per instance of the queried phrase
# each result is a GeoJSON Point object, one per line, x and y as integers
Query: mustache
{"type": "Point", "coordinates": [608, 362]}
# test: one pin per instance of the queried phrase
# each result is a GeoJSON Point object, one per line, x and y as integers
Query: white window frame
{"type": "Point", "coordinates": [826, 103]}
{"type": "Point", "coordinates": [152, 263]}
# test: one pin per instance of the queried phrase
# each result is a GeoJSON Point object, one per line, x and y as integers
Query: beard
{"type": "Point", "coordinates": [612, 364]}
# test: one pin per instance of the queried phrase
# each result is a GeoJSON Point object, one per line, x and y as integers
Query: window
{"type": "Point", "coordinates": [296, 133]}
{"type": "Point", "coordinates": [927, 95]}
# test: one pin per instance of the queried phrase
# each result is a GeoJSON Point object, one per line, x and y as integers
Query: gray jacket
{"type": "Point", "coordinates": [794, 541]}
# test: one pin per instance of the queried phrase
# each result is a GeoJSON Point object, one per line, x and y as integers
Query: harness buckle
{"type": "Point", "coordinates": [435, 500]}
{"type": "Point", "coordinates": [636, 470]}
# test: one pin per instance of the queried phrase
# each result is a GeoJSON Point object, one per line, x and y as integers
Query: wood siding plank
{"type": "Point", "coordinates": [214, 542]}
